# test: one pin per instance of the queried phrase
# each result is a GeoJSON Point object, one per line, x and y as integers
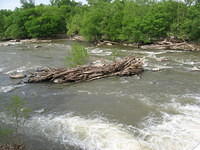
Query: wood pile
{"type": "Point", "coordinates": [12, 147]}
{"type": "Point", "coordinates": [171, 45]}
{"type": "Point", "coordinates": [126, 67]}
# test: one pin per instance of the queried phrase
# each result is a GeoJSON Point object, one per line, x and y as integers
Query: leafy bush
{"type": "Point", "coordinates": [40, 21]}
{"type": "Point", "coordinates": [119, 20]}
{"type": "Point", "coordinates": [19, 113]}
{"type": "Point", "coordinates": [77, 56]}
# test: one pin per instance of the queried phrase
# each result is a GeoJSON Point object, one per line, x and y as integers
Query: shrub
{"type": "Point", "coordinates": [78, 55]}
{"type": "Point", "coordinates": [19, 113]}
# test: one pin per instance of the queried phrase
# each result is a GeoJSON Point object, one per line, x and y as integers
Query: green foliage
{"type": "Point", "coordinates": [3, 20]}
{"type": "Point", "coordinates": [77, 56]}
{"type": "Point", "coordinates": [92, 22]}
{"type": "Point", "coordinates": [191, 25]}
{"type": "Point", "coordinates": [75, 25]}
{"type": "Point", "coordinates": [17, 110]}
{"type": "Point", "coordinates": [19, 113]}
{"type": "Point", "coordinates": [15, 26]}
{"type": "Point", "coordinates": [37, 22]}
{"type": "Point", "coordinates": [75, 21]}
{"type": "Point", "coordinates": [112, 21]}
{"type": "Point", "coordinates": [137, 21]}
{"type": "Point", "coordinates": [60, 3]}
{"type": "Point", "coordinates": [5, 132]}
{"type": "Point", "coordinates": [27, 3]}
{"type": "Point", "coordinates": [5, 135]}
{"type": "Point", "coordinates": [1, 26]}
{"type": "Point", "coordinates": [140, 21]}
{"type": "Point", "coordinates": [48, 22]}
{"type": "Point", "coordinates": [133, 15]}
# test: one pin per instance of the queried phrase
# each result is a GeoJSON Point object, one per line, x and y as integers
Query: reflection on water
{"type": "Point", "coordinates": [159, 111]}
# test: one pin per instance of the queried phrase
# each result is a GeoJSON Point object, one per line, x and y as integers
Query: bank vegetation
{"type": "Point", "coordinates": [122, 21]}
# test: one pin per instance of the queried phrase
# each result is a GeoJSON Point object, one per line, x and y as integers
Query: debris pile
{"type": "Point", "coordinates": [126, 67]}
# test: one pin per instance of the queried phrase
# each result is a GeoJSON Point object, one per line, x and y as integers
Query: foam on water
{"type": "Point", "coordinates": [177, 132]}
{"type": "Point", "coordinates": [150, 53]}
{"type": "Point", "coordinates": [1, 70]}
{"type": "Point", "coordinates": [180, 131]}
{"type": "Point", "coordinates": [24, 69]}
{"type": "Point", "coordinates": [20, 69]}
{"type": "Point", "coordinates": [86, 133]}
{"type": "Point", "coordinates": [8, 88]}
{"type": "Point", "coordinates": [100, 52]}
{"type": "Point", "coordinates": [154, 53]}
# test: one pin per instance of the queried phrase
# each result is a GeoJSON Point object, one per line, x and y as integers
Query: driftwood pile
{"type": "Point", "coordinates": [171, 45]}
{"type": "Point", "coordinates": [12, 147]}
{"type": "Point", "coordinates": [127, 67]}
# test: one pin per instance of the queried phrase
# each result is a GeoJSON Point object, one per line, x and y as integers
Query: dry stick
{"type": "Point", "coordinates": [128, 66]}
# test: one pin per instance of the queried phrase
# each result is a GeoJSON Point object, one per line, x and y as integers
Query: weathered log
{"type": "Point", "coordinates": [12, 147]}
{"type": "Point", "coordinates": [17, 75]}
{"type": "Point", "coordinates": [127, 67]}
{"type": "Point", "coordinates": [171, 45]}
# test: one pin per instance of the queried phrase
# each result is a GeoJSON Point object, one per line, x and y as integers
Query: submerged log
{"type": "Point", "coordinates": [127, 67]}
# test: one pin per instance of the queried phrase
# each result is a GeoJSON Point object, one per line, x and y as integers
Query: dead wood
{"type": "Point", "coordinates": [127, 67]}
{"type": "Point", "coordinates": [12, 147]}
{"type": "Point", "coordinates": [171, 45]}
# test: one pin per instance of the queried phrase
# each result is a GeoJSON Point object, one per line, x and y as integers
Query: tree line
{"type": "Point", "coordinates": [115, 20]}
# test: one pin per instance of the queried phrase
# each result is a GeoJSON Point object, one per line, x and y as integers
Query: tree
{"type": "Point", "coordinates": [96, 2]}
{"type": "Point", "coordinates": [60, 3]}
{"type": "Point", "coordinates": [27, 3]}
{"type": "Point", "coordinates": [3, 21]}
{"type": "Point", "coordinates": [191, 24]}
{"type": "Point", "coordinates": [19, 113]}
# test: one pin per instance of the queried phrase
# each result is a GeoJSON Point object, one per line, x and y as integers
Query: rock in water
{"type": "Point", "coordinates": [37, 46]}
{"type": "Point", "coordinates": [17, 75]}
{"type": "Point", "coordinates": [195, 68]}
{"type": "Point", "coordinates": [156, 69]}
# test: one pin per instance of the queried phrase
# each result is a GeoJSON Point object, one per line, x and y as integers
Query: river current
{"type": "Point", "coordinates": [159, 110]}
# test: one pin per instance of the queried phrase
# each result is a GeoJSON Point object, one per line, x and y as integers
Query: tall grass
{"type": "Point", "coordinates": [18, 113]}
{"type": "Point", "coordinates": [78, 55]}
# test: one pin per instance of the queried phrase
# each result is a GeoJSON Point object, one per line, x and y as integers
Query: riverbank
{"type": "Point", "coordinates": [88, 115]}
{"type": "Point", "coordinates": [166, 44]}
{"type": "Point", "coordinates": [159, 45]}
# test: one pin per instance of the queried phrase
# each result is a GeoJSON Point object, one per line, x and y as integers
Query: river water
{"type": "Point", "coordinates": [159, 110]}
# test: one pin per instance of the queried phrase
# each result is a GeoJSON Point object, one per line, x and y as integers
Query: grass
{"type": "Point", "coordinates": [78, 55]}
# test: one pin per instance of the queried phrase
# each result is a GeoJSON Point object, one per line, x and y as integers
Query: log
{"type": "Point", "coordinates": [127, 67]}
{"type": "Point", "coordinates": [12, 147]}
{"type": "Point", "coordinates": [17, 75]}
{"type": "Point", "coordinates": [171, 45]}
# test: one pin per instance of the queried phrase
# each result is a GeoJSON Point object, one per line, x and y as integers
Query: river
{"type": "Point", "coordinates": [159, 110]}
